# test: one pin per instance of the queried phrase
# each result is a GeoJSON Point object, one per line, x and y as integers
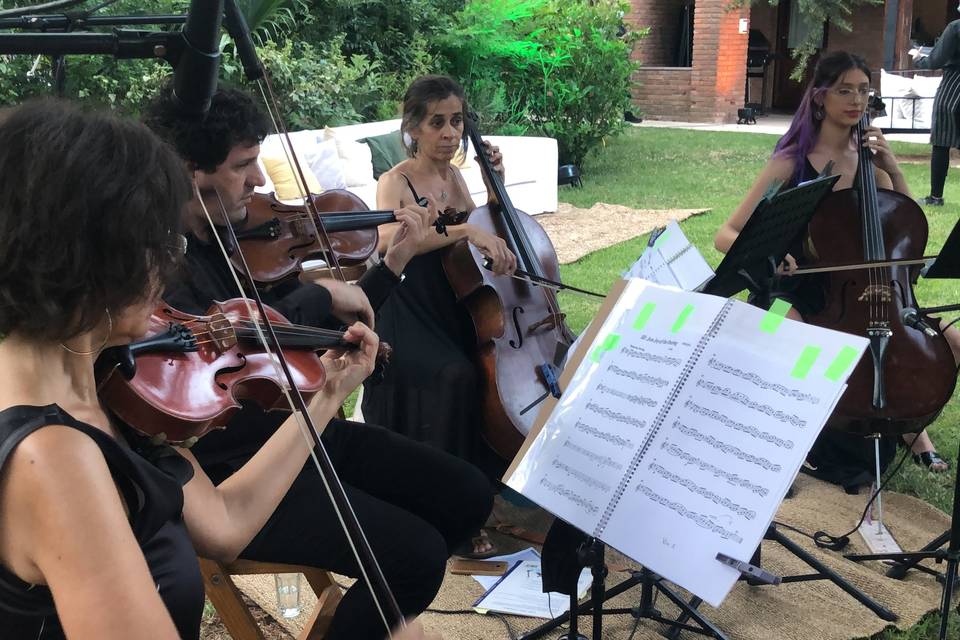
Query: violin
{"type": "Point", "coordinates": [276, 238]}
{"type": "Point", "coordinates": [910, 372]}
{"type": "Point", "coordinates": [522, 335]}
{"type": "Point", "coordinates": [190, 373]}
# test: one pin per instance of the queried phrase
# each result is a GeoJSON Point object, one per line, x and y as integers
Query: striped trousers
{"type": "Point", "coordinates": [945, 131]}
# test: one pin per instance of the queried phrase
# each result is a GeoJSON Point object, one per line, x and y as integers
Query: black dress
{"type": "Point", "coordinates": [150, 478]}
{"type": "Point", "coordinates": [804, 293]}
{"type": "Point", "coordinates": [431, 388]}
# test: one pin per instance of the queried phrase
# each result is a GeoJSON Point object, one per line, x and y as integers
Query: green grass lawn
{"type": "Point", "coordinates": [668, 168]}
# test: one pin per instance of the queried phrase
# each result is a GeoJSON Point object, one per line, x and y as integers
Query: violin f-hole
{"type": "Point", "coordinates": [518, 343]}
{"type": "Point", "coordinates": [233, 369]}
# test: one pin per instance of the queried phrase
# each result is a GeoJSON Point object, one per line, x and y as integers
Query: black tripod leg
{"type": "Point", "coordinates": [899, 571]}
{"type": "Point", "coordinates": [946, 604]}
{"type": "Point", "coordinates": [953, 558]}
{"type": "Point", "coordinates": [586, 607]}
{"type": "Point", "coordinates": [690, 611]}
{"type": "Point", "coordinates": [598, 570]}
{"type": "Point", "coordinates": [881, 611]}
{"type": "Point", "coordinates": [674, 632]}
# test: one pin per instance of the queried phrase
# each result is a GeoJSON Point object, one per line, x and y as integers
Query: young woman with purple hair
{"type": "Point", "coordinates": [823, 131]}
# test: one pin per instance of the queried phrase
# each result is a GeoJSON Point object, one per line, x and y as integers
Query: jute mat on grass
{"type": "Point", "coordinates": [576, 232]}
{"type": "Point", "coordinates": [798, 611]}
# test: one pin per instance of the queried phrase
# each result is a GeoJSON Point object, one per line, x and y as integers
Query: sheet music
{"type": "Point", "coordinates": [680, 433]}
{"type": "Point", "coordinates": [672, 260]}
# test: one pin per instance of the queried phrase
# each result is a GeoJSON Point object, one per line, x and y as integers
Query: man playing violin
{"type": "Point", "coordinates": [414, 503]}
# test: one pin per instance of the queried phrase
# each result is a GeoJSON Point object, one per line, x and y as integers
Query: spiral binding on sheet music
{"type": "Point", "coordinates": [709, 335]}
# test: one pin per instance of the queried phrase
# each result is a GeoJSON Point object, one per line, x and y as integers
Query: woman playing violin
{"type": "Point", "coordinates": [822, 133]}
{"type": "Point", "coordinates": [413, 502]}
{"type": "Point", "coordinates": [101, 527]}
{"type": "Point", "coordinates": [430, 390]}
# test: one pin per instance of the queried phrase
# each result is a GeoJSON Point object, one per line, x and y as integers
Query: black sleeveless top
{"type": "Point", "coordinates": [151, 480]}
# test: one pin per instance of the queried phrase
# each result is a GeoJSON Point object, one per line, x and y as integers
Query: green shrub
{"type": "Point", "coordinates": [555, 67]}
{"type": "Point", "coordinates": [317, 86]}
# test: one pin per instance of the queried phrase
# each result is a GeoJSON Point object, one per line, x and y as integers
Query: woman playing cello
{"type": "Point", "coordinates": [430, 392]}
{"type": "Point", "coordinates": [822, 133]}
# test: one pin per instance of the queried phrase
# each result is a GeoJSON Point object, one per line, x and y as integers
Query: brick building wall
{"type": "Point", "coordinates": [663, 93]}
{"type": "Point", "coordinates": [663, 17]}
{"type": "Point", "coordinates": [711, 90]}
{"type": "Point", "coordinates": [866, 38]}
{"type": "Point", "coordinates": [719, 62]}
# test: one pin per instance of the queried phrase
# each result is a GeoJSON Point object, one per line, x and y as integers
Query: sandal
{"type": "Point", "coordinates": [467, 549]}
{"type": "Point", "coordinates": [521, 534]}
{"type": "Point", "coordinates": [930, 458]}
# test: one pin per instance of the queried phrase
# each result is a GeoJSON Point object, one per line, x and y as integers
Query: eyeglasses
{"type": "Point", "coordinates": [848, 94]}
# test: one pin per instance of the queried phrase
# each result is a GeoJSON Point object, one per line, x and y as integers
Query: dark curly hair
{"type": "Point", "coordinates": [422, 92]}
{"type": "Point", "coordinates": [89, 206]}
{"type": "Point", "coordinates": [205, 142]}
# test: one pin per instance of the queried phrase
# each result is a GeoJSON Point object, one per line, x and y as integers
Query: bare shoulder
{"type": "Point", "coordinates": [53, 459]}
{"type": "Point", "coordinates": [46, 487]}
{"type": "Point", "coordinates": [780, 167]}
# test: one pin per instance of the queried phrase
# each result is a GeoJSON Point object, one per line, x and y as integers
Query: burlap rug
{"type": "Point", "coordinates": [799, 611]}
{"type": "Point", "coordinates": [576, 232]}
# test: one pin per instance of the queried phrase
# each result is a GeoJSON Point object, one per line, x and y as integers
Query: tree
{"type": "Point", "coordinates": [836, 12]}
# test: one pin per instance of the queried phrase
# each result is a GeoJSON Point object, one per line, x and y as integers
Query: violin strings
{"type": "Point", "coordinates": [304, 330]}
{"type": "Point", "coordinates": [265, 87]}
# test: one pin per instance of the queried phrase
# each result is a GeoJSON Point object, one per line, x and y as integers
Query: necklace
{"type": "Point", "coordinates": [443, 196]}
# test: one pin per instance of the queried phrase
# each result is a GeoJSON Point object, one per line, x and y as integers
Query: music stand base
{"type": "Point", "coordinates": [950, 555]}
{"type": "Point", "coordinates": [649, 583]}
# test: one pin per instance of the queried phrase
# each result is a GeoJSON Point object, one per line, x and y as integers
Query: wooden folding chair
{"type": "Point", "coordinates": [225, 596]}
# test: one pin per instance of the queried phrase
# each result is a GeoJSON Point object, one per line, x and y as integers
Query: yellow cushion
{"type": "Point", "coordinates": [285, 179]}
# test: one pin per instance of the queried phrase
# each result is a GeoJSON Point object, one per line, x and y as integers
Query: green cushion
{"type": "Point", "coordinates": [386, 151]}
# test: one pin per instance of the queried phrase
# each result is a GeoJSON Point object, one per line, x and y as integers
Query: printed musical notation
{"type": "Point", "coordinates": [678, 436]}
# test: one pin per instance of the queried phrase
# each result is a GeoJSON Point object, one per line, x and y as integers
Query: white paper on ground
{"type": "Point", "coordinates": [520, 592]}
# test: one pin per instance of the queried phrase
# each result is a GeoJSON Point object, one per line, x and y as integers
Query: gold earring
{"type": "Point", "coordinates": [102, 345]}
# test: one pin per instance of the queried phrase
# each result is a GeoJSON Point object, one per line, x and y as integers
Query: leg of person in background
{"type": "Point", "coordinates": [920, 444]}
{"type": "Point", "coordinates": [939, 165]}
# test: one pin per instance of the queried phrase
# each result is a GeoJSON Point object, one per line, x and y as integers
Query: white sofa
{"type": "Point", "coordinates": [909, 100]}
{"type": "Point", "coordinates": [530, 164]}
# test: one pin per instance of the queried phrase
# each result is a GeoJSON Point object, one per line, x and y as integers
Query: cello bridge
{"type": "Point", "coordinates": [877, 293]}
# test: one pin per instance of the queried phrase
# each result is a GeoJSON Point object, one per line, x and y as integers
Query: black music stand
{"type": "Point", "coordinates": [592, 555]}
{"type": "Point", "coordinates": [946, 265]}
{"type": "Point", "coordinates": [778, 220]}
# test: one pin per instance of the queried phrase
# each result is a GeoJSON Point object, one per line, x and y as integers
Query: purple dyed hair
{"type": "Point", "coordinates": [804, 130]}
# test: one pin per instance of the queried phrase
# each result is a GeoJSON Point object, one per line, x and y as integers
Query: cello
{"type": "Point", "coordinates": [522, 337]}
{"type": "Point", "coordinates": [910, 373]}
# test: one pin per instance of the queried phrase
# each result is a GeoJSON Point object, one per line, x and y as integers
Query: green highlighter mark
{"type": "Point", "coordinates": [805, 362]}
{"type": "Point", "coordinates": [609, 344]}
{"type": "Point", "coordinates": [644, 316]}
{"type": "Point", "coordinates": [772, 318]}
{"type": "Point", "coordinates": [840, 364]}
{"type": "Point", "coordinates": [682, 318]}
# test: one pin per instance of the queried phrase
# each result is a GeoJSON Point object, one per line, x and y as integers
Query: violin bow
{"type": "Point", "coordinates": [254, 70]}
{"type": "Point", "coordinates": [370, 570]}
